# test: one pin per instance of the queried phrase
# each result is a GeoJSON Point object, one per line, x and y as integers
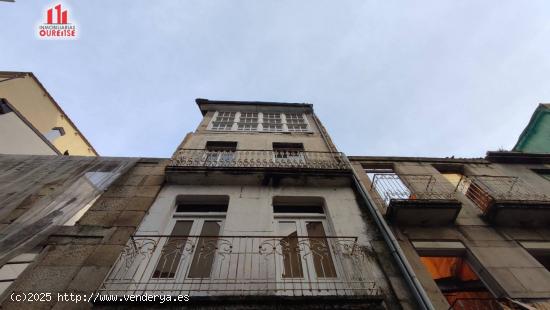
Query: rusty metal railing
{"type": "Point", "coordinates": [241, 265]}
{"type": "Point", "coordinates": [410, 186]}
{"type": "Point", "coordinates": [484, 190]}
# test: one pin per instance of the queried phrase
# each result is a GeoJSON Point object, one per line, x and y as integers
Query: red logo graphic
{"type": "Point", "coordinates": [61, 16]}
{"type": "Point", "coordinates": [57, 26]}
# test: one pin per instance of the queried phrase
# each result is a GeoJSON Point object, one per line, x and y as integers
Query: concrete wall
{"type": "Point", "coordinates": [27, 96]}
{"type": "Point", "coordinates": [18, 138]}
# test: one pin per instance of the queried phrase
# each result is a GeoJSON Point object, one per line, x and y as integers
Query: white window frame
{"type": "Point", "coordinates": [215, 117]}
{"type": "Point", "coordinates": [309, 273]}
{"type": "Point", "coordinates": [260, 123]}
{"type": "Point", "coordinates": [184, 266]}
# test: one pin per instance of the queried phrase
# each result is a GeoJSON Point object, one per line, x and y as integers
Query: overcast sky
{"type": "Point", "coordinates": [403, 78]}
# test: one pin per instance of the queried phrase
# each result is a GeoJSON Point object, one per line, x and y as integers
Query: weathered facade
{"type": "Point", "coordinates": [256, 209]}
{"type": "Point", "coordinates": [474, 230]}
{"type": "Point", "coordinates": [77, 253]}
{"type": "Point", "coordinates": [258, 203]}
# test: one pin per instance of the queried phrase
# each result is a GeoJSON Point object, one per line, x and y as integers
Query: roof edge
{"type": "Point", "coordinates": [55, 104]}
{"type": "Point", "coordinates": [541, 108]}
{"type": "Point", "coordinates": [31, 126]}
{"type": "Point", "coordinates": [512, 157]}
{"type": "Point", "coordinates": [417, 159]}
{"type": "Point", "coordinates": [201, 102]}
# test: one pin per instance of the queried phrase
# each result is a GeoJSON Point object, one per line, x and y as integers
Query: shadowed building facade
{"type": "Point", "coordinates": [256, 208]}
{"type": "Point", "coordinates": [475, 231]}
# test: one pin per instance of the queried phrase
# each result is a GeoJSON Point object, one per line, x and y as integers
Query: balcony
{"type": "Point", "coordinates": [506, 200]}
{"type": "Point", "coordinates": [484, 303]}
{"type": "Point", "coordinates": [415, 199]}
{"type": "Point", "coordinates": [225, 266]}
{"type": "Point", "coordinates": [201, 158]}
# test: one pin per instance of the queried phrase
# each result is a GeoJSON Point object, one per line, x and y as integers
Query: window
{"type": "Point", "coordinates": [189, 252]}
{"type": "Point", "coordinates": [4, 107]}
{"type": "Point", "coordinates": [220, 152]}
{"type": "Point", "coordinates": [223, 121]}
{"type": "Point", "coordinates": [451, 172]}
{"type": "Point", "coordinates": [272, 122]}
{"type": "Point", "coordinates": [543, 259]}
{"type": "Point", "coordinates": [170, 256]}
{"type": "Point", "coordinates": [292, 153]}
{"type": "Point", "coordinates": [55, 133]}
{"type": "Point", "coordinates": [543, 173]}
{"type": "Point", "coordinates": [387, 183]}
{"type": "Point", "coordinates": [455, 278]}
{"type": "Point", "coordinates": [305, 248]}
{"type": "Point", "coordinates": [259, 121]}
{"type": "Point", "coordinates": [540, 250]}
{"type": "Point", "coordinates": [248, 121]}
{"type": "Point", "coordinates": [446, 263]}
{"type": "Point", "coordinates": [295, 122]}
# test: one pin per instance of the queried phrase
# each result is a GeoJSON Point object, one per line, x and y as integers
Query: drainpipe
{"type": "Point", "coordinates": [323, 132]}
{"type": "Point", "coordinates": [418, 291]}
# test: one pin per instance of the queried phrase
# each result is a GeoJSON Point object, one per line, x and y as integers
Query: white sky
{"type": "Point", "coordinates": [403, 78]}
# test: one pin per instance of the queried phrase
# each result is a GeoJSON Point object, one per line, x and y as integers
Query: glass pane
{"type": "Point", "coordinates": [205, 250]}
{"type": "Point", "coordinates": [292, 264]}
{"type": "Point", "coordinates": [172, 250]}
{"type": "Point", "coordinates": [320, 250]}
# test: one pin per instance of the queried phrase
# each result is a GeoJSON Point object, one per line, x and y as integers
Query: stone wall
{"type": "Point", "coordinates": [494, 252]}
{"type": "Point", "coordinates": [77, 258]}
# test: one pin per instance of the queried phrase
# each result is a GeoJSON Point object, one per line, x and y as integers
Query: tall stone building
{"type": "Point", "coordinates": [255, 209]}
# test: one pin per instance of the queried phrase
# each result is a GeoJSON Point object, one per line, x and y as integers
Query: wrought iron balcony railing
{"type": "Point", "coordinates": [241, 265]}
{"type": "Point", "coordinates": [259, 159]}
{"type": "Point", "coordinates": [479, 188]}
{"type": "Point", "coordinates": [484, 190]}
{"type": "Point", "coordinates": [410, 187]}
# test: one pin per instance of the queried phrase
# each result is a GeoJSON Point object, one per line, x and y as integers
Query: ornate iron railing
{"type": "Point", "coordinates": [484, 190]}
{"type": "Point", "coordinates": [259, 159]}
{"type": "Point", "coordinates": [410, 187]}
{"type": "Point", "coordinates": [241, 265]}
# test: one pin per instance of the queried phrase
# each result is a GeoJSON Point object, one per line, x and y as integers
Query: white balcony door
{"type": "Point", "coordinates": [185, 261]}
{"type": "Point", "coordinates": [306, 261]}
